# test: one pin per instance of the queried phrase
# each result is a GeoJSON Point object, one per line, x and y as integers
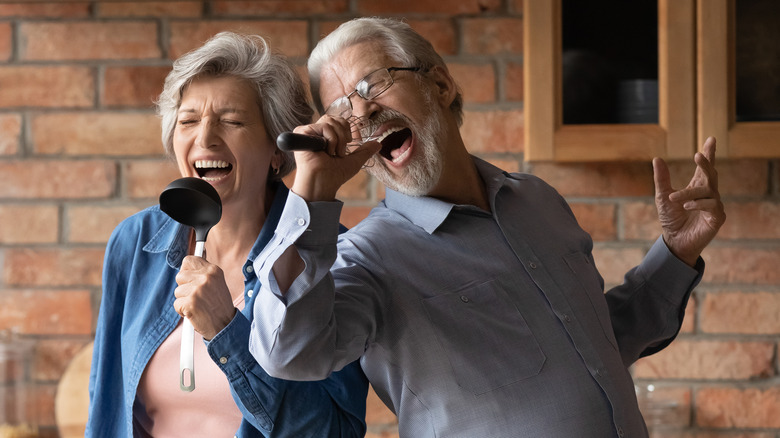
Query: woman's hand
{"type": "Point", "coordinates": [203, 296]}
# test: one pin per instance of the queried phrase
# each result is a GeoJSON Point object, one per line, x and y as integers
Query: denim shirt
{"type": "Point", "coordinates": [470, 323]}
{"type": "Point", "coordinates": [142, 258]}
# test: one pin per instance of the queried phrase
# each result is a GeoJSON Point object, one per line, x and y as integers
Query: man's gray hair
{"type": "Point", "coordinates": [397, 38]}
{"type": "Point", "coordinates": [281, 93]}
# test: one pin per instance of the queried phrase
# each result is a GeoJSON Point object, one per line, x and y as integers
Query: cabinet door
{"type": "Point", "coordinates": [753, 134]}
{"type": "Point", "coordinates": [548, 138]}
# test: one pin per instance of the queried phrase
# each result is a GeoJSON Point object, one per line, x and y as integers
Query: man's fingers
{"type": "Point", "coordinates": [663, 183]}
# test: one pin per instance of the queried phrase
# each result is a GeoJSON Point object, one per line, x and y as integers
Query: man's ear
{"type": "Point", "coordinates": [446, 89]}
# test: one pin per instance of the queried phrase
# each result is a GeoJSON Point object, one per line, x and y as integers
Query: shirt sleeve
{"type": "Point", "coordinates": [298, 335]}
{"type": "Point", "coordinates": [647, 309]}
{"type": "Point", "coordinates": [334, 407]}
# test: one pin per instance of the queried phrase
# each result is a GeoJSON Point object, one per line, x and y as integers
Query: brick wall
{"type": "Point", "coordinates": [80, 150]}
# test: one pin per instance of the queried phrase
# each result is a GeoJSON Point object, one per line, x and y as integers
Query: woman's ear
{"type": "Point", "coordinates": [445, 86]}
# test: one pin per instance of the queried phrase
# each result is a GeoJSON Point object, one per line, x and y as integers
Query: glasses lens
{"type": "Point", "coordinates": [374, 84]}
{"type": "Point", "coordinates": [340, 108]}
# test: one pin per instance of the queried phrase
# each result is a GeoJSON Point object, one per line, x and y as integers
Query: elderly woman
{"type": "Point", "coordinates": [222, 107]}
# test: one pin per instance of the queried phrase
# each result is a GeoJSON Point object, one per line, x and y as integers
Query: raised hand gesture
{"type": "Point", "coordinates": [690, 217]}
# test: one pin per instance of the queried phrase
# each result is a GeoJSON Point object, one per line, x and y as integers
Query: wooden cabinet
{"type": "Point", "coordinates": [696, 87]}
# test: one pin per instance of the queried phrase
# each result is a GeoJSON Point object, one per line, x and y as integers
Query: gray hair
{"type": "Point", "coordinates": [281, 93]}
{"type": "Point", "coordinates": [397, 38]}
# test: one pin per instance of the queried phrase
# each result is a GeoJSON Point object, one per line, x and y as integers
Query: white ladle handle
{"type": "Point", "coordinates": [187, 356]}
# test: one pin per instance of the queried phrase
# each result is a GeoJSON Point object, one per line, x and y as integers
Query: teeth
{"type": "Point", "coordinates": [211, 164]}
{"type": "Point", "coordinates": [388, 132]}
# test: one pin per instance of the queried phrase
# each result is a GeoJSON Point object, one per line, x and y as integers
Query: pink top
{"type": "Point", "coordinates": [209, 410]}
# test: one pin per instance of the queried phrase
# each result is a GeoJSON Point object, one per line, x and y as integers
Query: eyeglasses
{"type": "Point", "coordinates": [370, 87]}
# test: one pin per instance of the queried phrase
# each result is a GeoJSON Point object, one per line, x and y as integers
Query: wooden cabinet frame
{"type": "Point", "coordinates": [696, 86]}
{"type": "Point", "coordinates": [717, 102]}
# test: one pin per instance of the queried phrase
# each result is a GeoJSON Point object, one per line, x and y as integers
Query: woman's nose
{"type": "Point", "coordinates": [208, 135]}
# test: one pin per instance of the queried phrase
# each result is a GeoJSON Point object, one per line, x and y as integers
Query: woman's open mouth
{"type": "Point", "coordinates": [212, 170]}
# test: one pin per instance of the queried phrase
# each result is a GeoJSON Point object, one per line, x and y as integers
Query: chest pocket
{"type": "Point", "coordinates": [486, 340]}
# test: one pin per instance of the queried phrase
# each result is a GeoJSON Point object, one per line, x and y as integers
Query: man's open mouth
{"type": "Point", "coordinates": [392, 140]}
{"type": "Point", "coordinates": [212, 170]}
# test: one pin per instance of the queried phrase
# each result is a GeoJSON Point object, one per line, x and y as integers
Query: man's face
{"type": "Point", "coordinates": [406, 118]}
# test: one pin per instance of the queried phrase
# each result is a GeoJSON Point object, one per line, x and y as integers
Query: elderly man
{"type": "Point", "coordinates": [469, 294]}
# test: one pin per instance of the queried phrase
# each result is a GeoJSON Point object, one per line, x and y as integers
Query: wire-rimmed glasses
{"type": "Point", "coordinates": [370, 87]}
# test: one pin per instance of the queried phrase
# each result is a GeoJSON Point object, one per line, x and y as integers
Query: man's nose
{"type": "Point", "coordinates": [364, 109]}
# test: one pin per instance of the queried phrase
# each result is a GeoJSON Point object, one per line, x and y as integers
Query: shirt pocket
{"type": "Point", "coordinates": [586, 278]}
{"type": "Point", "coordinates": [486, 339]}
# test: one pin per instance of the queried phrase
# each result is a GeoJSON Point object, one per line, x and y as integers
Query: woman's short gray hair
{"type": "Point", "coordinates": [399, 40]}
{"type": "Point", "coordinates": [281, 94]}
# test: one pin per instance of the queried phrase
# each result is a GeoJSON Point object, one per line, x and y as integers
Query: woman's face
{"type": "Point", "coordinates": [220, 137]}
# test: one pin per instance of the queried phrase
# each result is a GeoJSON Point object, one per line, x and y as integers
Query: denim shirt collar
{"type": "Point", "coordinates": [429, 213]}
{"type": "Point", "coordinates": [174, 238]}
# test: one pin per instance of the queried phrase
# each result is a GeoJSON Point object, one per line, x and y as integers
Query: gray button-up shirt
{"type": "Point", "coordinates": [470, 323]}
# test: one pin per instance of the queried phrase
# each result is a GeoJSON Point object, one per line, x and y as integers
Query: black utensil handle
{"type": "Point", "coordinates": [290, 141]}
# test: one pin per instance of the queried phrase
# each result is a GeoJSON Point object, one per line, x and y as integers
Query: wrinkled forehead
{"type": "Point", "coordinates": [351, 64]}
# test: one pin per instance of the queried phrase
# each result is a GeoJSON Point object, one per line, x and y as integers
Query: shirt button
{"type": "Point", "coordinates": [250, 293]}
{"type": "Point", "coordinates": [566, 317]}
{"type": "Point", "coordinates": [620, 432]}
{"type": "Point", "coordinates": [464, 298]}
{"type": "Point", "coordinates": [223, 360]}
{"type": "Point", "coordinates": [300, 221]}
{"type": "Point", "coordinates": [249, 269]}
{"type": "Point", "coordinates": [532, 265]}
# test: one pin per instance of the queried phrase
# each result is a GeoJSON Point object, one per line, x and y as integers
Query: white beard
{"type": "Point", "coordinates": [424, 170]}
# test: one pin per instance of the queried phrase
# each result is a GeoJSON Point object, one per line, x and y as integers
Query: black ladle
{"type": "Point", "coordinates": [193, 202]}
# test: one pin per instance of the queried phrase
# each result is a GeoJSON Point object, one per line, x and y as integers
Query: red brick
{"type": "Point", "coordinates": [516, 6]}
{"type": "Point", "coordinates": [53, 267]}
{"type": "Point", "coordinates": [376, 411]}
{"type": "Point", "coordinates": [6, 41]}
{"type": "Point", "coordinates": [614, 262]}
{"type": "Point", "coordinates": [688, 359]}
{"type": "Point", "coordinates": [599, 179]}
{"type": "Point", "coordinates": [356, 188]}
{"type": "Point", "coordinates": [440, 33]}
{"type": "Point", "coordinates": [751, 220]}
{"type": "Point", "coordinates": [375, 7]}
{"type": "Point", "coordinates": [54, 9]}
{"type": "Point", "coordinates": [738, 408]}
{"type": "Point", "coordinates": [96, 133]}
{"type": "Point", "coordinates": [83, 179]}
{"type": "Point", "coordinates": [689, 319]}
{"type": "Point", "coordinates": [53, 356]}
{"type": "Point", "coordinates": [25, 223]}
{"type": "Point", "coordinates": [46, 312]}
{"type": "Point", "coordinates": [514, 81]}
{"type": "Point", "coordinates": [148, 178]}
{"type": "Point", "coordinates": [277, 8]}
{"type": "Point", "coordinates": [44, 394]}
{"type": "Point", "coordinates": [491, 36]}
{"type": "Point", "coordinates": [133, 86]}
{"type": "Point", "coordinates": [477, 82]}
{"type": "Point", "coordinates": [288, 37]}
{"type": "Point", "coordinates": [10, 132]}
{"type": "Point", "coordinates": [742, 264]}
{"type": "Point", "coordinates": [94, 224]}
{"type": "Point", "coordinates": [352, 215]}
{"type": "Point", "coordinates": [596, 219]}
{"type": "Point", "coordinates": [82, 40]}
{"type": "Point", "coordinates": [168, 8]}
{"type": "Point", "coordinates": [735, 177]}
{"type": "Point", "coordinates": [47, 86]}
{"type": "Point", "coordinates": [493, 131]}
{"type": "Point", "coordinates": [754, 313]}
{"type": "Point", "coordinates": [640, 221]}
{"type": "Point", "coordinates": [664, 407]}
